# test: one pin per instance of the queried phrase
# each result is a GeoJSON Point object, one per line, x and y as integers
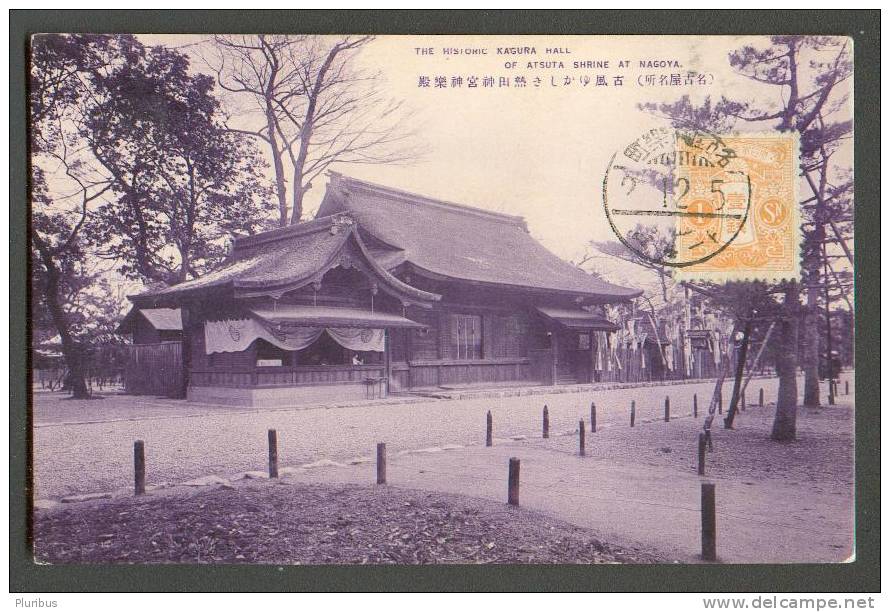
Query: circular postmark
{"type": "Point", "coordinates": [677, 197]}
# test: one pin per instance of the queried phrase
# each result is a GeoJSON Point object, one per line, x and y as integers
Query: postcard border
{"type": "Point", "coordinates": [863, 575]}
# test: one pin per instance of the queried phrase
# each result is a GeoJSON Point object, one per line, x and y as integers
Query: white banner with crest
{"type": "Point", "coordinates": [232, 336]}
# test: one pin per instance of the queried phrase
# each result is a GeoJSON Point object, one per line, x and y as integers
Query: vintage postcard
{"type": "Point", "coordinates": [455, 299]}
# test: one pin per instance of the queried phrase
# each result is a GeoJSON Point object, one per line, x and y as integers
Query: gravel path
{"type": "Point", "coordinates": [184, 441]}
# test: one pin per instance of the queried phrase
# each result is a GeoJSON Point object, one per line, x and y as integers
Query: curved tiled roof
{"type": "Point", "coordinates": [269, 258]}
{"type": "Point", "coordinates": [460, 242]}
{"type": "Point", "coordinates": [285, 259]}
{"type": "Point", "coordinates": [387, 228]}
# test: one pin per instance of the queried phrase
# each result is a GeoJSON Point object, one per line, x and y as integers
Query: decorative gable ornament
{"type": "Point", "coordinates": [341, 223]}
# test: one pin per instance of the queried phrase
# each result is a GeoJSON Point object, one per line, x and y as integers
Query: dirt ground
{"type": "Point", "coordinates": [636, 488]}
{"type": "Point", "coordinates": [87, 446]}
{"type": "Point", "coordinates": [289, 523]}
{"type": "Point", "coordinates": [820, 459]}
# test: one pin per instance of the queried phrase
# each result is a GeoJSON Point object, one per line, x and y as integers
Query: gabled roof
{"type": "Point", "coordinates": [442, 239]}
{"type": "Point", "coordinates": [379, 230]}
{"type": "Point", "coordinates": [162, 319]}
{"type": "Point", "coordinates": [282, 260]}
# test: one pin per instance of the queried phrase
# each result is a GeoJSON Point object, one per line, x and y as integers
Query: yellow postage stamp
{"type": "Point", "coordinates": [741, 214]}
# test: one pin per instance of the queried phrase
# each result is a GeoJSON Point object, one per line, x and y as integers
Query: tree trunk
{"type": "Point", "coordinates": [811, 346]}
{"type": "Point", "coordinates": [785, 423]}
{"type": "Point", "coordinates": [812, 328]}
{"type": "Point", "coordinates": [297, 205]}
{"type": "Point", "coordinates": [299, 162]}
{"type": "Point", "coordinates": [280, 189]}
{"type": "Point", "coordinates": [739, 373]}
{"type": "Point", "coordinates": [71, 349]}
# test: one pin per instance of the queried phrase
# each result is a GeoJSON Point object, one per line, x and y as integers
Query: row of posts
{"type": "Point", "coordinates": [139, 462]}
{"type": "Point", "coordinates": [545, 428]}
{"type": "Point", "coordinates": [708, 497]}
{"type": "Point", "coordinates": [708, 490]}
{"type": "Point", "coordinates": [704, 440]}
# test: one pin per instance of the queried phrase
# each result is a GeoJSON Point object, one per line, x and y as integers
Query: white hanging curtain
{"type": "Point", "coordinates": [359, 339]}
{"type": "Point", "coordinates": [232, 336]}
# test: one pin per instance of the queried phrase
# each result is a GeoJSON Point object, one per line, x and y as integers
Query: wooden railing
{"type": "Point", "coordinates": [286, 376]}
{"type": "Point", "coordinates": [447, 372]}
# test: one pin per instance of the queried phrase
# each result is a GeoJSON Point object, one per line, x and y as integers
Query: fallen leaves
{"type": "Point", "coordinates": [315, 524]}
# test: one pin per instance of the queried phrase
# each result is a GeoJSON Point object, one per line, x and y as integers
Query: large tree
{"type": "Point", "coordinates": [806, 72]}
{"type": "Point", "coordinates": [306, 98]}
{"type": "Point", "coordinates": [130, 162]}
{"type": "Point", "coordinates": [183, 183]}
{"type": "Point", "coordinates": [60, 217]}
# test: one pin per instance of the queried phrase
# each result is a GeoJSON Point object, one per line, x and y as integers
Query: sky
{"type": "Point", "coordinates": [538, 151]}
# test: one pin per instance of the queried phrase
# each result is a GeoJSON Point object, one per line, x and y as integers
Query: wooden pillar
{"type": "Point", "coordinates": [187, 314]}
{"type": "Point", "coordinates": [594, 347]}
{"type": "Point", "coordinates": [581, 446]}
{"type": "Point", "coordinates": [139, 467]}
{"type": "Point", "coordinates": [513, 482]}
{"type": "Point", "coordinates": [387, 360]}
{"type": "Point", "coordinates": [702, 446]}
{"type": "Point", "coordinates": [554, 346]}
{"type": "Point", "coordinates": [708, 522]}
{"type": "Point", "coordinates": [273, 453]}
{"type": "Point", "coordinates": [409, 352]}
{"type": "Point", "coordinates": [381, 463]}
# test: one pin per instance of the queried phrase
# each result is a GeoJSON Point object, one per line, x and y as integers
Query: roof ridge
{"type": "Point", "coordinates": [347, 183]}
{"type": "Point", "coordinates": [280, 233]}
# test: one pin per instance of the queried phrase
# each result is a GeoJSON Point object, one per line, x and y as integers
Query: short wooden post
{"type": "Point", "coordinates": [846, 387]}
{"type": "Point", "coordinates": [831, 390]}
{"type": "Point", "coordinates": [720, 402]}
{"type": "Point", "coordinates": [581, 450]}
{"type": "Point", "coordinates": [702, 443]}
{"type": "Point", "coordinates": [513, 482]}
{"type": "Point", "coordinates": [744, 405]}
{"type": "Point", "coordinates": [381, 463]}
{"type": "Point", "coordinates": [667, 409]}
{"type": "Point", "coordinates": [488, 429]}
{"type": "Point", "coordinates": [273, 453]}
{"type": "Point", "coordinates": [139, 466]}
{"type": "Point", "coordinates": [546, 425]}
{"type": "Point", "coordinates": [695, 405]}
{"type": "Point", "coordinates": [633, 412]}
{"type": "Point", "coordinates": [708, 522]}
{"type": "Point", "coordinates": [592, 417]}
{"type": "Point", "coordinates": [760, 399]}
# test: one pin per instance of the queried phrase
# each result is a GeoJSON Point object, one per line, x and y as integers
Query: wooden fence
{"type": "Point", "coordinates": [154, 369]}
